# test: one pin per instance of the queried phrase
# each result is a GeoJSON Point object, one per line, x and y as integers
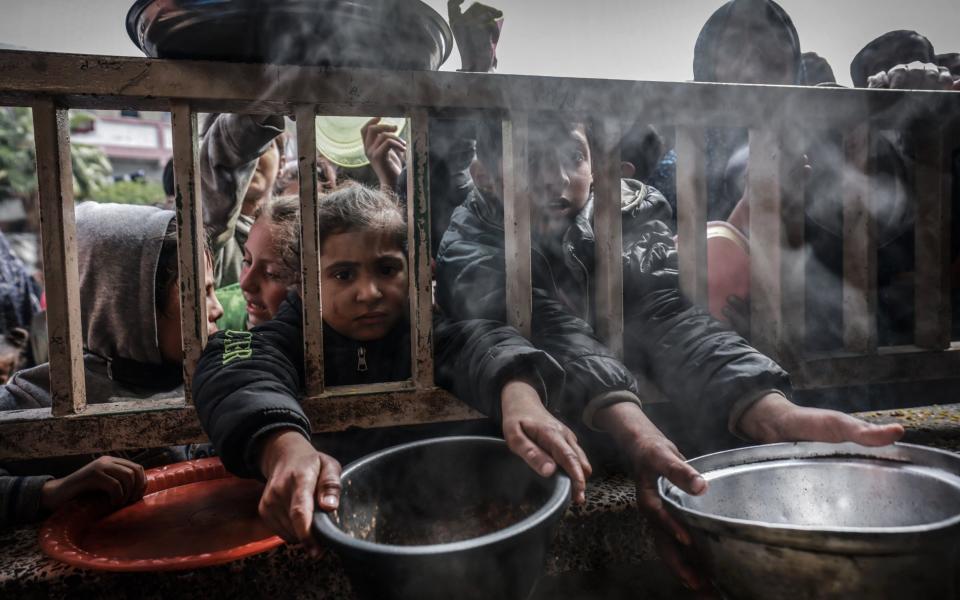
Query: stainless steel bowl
{"type": "Point", "coordinates": [381, 34]}
{"type": "Point", "coordinates": [813, 520]}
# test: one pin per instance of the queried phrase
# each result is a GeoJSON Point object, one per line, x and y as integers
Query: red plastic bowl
{"type": "Point", "coordinates": [193, 514]}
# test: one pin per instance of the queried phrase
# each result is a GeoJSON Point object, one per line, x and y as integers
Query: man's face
{"type": "Point", "coordinates": [363, 284]}
{"type": "Point", "coordinates": [560, 174]}
{"type": "Point", "coordinates": [751, 50]}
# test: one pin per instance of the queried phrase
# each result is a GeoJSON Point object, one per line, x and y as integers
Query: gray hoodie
{"type": "Point", "coordinates": [118, 248]}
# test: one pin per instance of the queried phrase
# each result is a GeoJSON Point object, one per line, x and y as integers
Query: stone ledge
{"type": "Point", "coordinates": [606, 531]}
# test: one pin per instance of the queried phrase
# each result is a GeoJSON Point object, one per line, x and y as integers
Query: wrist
{"type": "Point", "coordinates": [277, 445]}
{"type": "Point", "coordinates": [624, 421]}
{"type": "Point", "coordinates": [49, 495]}
{"type": "Point", "coordinates": [518, 392]}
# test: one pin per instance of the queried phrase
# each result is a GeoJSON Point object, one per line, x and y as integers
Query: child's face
{"type": "Point", "coordinates": [263, 278]}
{"type": "Point", "coordinates": [168, 320]}
{"type": "Point", "coordinates": [363, 284]}
{"type": "Point", "coordinates": [561, 173]}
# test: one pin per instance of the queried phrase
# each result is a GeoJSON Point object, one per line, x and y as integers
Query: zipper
{"type": "Point", "coordinates": [361, 359]}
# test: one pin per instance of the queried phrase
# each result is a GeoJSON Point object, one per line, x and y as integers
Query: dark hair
{"type": "Point", "coordinates": [949, 61]}
{"type": "Point", "coordinates": [356, 207]}
{"type": "Point", "coordinates": [168, 267]}
{"type": "Point", "coordinates": [283, 214]}
{"type": "Point", "coordinates": [817, 70]}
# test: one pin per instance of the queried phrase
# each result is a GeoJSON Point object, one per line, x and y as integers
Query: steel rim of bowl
{"type": "Point", "coordinates": [826, 450]}
{"type": "Point", "coordinates": [559, 496]}
{"type": "Point", "coordinates": [416, 7]}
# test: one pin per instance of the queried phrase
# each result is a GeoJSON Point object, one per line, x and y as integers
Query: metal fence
{"type": "Point", "coordinates": [53, 83]}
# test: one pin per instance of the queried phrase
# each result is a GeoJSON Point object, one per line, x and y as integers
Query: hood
{"type": "Point", "coordinates": [118, 248]}
{"type": "Point", "coordinates": [704, 54]}
{"type": "Point", "coordinates": [887, 51]}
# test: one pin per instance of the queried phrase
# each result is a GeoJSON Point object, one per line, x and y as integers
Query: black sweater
{"type": "Point", "coordinates": [248, 383]}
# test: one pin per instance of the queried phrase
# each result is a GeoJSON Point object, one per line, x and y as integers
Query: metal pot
{"type": "Point", "coordinates": [440, 480]}
{"type": "Point", "coordinates": [813, 520]}
{"type": "Point", "coordinates": [381, 34]}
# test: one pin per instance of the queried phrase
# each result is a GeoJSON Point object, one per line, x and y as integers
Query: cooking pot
{"type": "Point", "coordinates": [815, 520]}
{"type": "Point", "coordinates": [381, 34]}
{"type": "Point", "coordinates": [454, 481]}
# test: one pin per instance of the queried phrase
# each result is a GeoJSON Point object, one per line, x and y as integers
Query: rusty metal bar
{"type": "Point", "coordinates": [932, 302]}
{"type": "Point", "coordinates": [310, 250]}
{"type": "Point", "coordinates": [766, 241]}
{"type": "Point", "coordinates": [609, 234]}
{"type": "Point", "coordinates": [190, 240]}
{"type": "Point", "coordinates": [51, 127]}
{"type": "Point", "coordinates": [692, 213]}
{"type": "Point", "coordinates": [115, 82]}
{"type": "Point", "coordinates": [859, 246]}
{"type": "Point", "coordinates": [418, 250]}
{"type": "Point", "coordinates": [155, 423]}
{"type": "Point", "coordinates": [516, 222]}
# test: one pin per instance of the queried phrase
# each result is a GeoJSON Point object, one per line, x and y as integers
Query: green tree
{"type": "Point", "coordinates": [18, 175]}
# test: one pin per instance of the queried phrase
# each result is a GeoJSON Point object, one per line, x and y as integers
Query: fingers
{"type": "Point", "coordinates": [554, 440]}
{"type": "Point", "coordinates": [676, 560]}
{"type": "Point", "coordinates": [667, 461]}
{"type": "Point", "coordinates": [649, 502]}
{"type": "Point", "coordinates": [844, 428]}
{"type": "Point", "coordinates": [107, 483]}
{"type": "Point", "coordinates": [275, 515]}
{"type": "Point", "coordinates": [301, 504]}
{"type": "Point", "coordinates": [328, 485]}
{"type": "Point", "coordinates": [522, 446]}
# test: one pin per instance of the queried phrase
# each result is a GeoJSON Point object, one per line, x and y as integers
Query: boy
{"type": "Point", "coordinates": [688, 355]}
{"type": "Point", "coordinates": [247, 383]}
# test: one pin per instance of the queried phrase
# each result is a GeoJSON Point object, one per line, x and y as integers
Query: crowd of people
{"type": "Point", "coordinates": [559, 396]}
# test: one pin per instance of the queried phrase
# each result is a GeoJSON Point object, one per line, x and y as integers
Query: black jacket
{"type": "Point", "coordinates": [707, 370]}
{"type": "Point", "coordinates": [248, 383]}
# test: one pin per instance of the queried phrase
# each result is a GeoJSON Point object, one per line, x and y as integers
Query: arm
{"type": "Point", "coordinates": [497, 371]}
{"type": "Point", "coordinates": [246, 391]}
{"type": "Point", "coordinates": [228, 157]}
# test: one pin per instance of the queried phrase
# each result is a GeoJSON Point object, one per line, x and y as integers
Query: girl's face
{"type": "Point", "coordinates": [363, 284]}
{"type": "Point", "coordinates": [263, 278]}
{"type": "Point", "coordinates": [168, 320]}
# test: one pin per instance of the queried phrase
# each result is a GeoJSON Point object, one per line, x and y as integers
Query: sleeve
{"type": "Point", "coordinates": [20, 499]}
{"type": "Point", "coordinates": [476, 358]}
{"type": "Point", "coordinates": [228, 158]}
{"type": "Point", "coordinates": [247, 385]}
{"type": "Point", "coordinates": [471, 285]}
{"type": "Point", "coordinates": [705, 368]}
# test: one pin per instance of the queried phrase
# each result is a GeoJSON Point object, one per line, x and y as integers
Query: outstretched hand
{"type": "Point", "coordinates": [915, 76]}
{"type": "Point", "coordinates": [123, 482]}
{"type": "Point", "coordinates": [477, 32]}
{"type": "Point", "coordinates": [386, 152]}
{"type": "Point", "coordinates": [541, 440]}
{"type": "Point", "coordinates": [773, 418]}
{"type": "Point", "coordinates": [651, 455]}
{"type": "Point", "coordinates": [299, 478]}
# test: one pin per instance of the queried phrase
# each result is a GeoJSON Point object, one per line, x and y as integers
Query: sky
{"type": "Point", "coordinates": [615, 39]}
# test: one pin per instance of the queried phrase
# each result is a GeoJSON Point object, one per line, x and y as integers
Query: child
{"type": "Point", "coordinates": [130, 304]}
{"type": "Point", "coordinates": [715, 380]}
{"type": "Point", "coordinates": [248, 383]}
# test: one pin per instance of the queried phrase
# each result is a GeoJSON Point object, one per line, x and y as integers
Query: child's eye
{"type": "Point", "coordinates": [245, 263]}
{"type": "Point", "coordinates": [578, 157]}
{"type": "Point", "coordinates": [389, 270]}
{"type": "Point", "coordinates": [274, 275]}
{"type": "Point", "coordinates": [342, 275]}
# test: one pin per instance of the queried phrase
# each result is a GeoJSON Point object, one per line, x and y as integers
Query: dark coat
{"type": "Point", "coordinates": [249, 383]}
{"type": "Point", "coordinates": [703, 367]}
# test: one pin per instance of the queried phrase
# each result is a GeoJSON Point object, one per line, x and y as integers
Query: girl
{"type": "Point", "coordinates": [248, 383]}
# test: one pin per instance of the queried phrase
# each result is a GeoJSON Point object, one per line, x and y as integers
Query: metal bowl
{"type": "Point", "coordinates": [813, 520]}
{"type": "Point", "coordinates": [381, 34]}
{"type": "Point", "coordinates": [445, 480]}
